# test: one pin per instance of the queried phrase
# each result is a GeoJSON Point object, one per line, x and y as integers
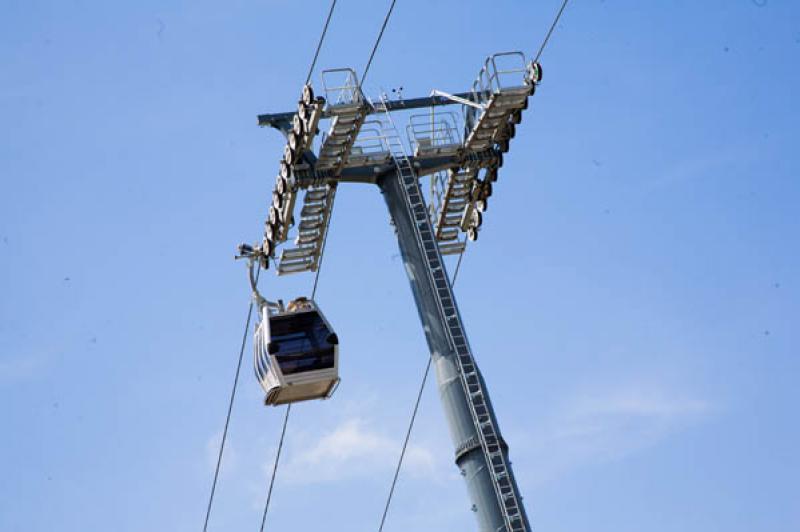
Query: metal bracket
{"type": "Point", "coordinates": [457, 99]}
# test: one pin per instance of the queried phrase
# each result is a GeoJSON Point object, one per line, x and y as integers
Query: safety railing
{"type": "Point", "coordinates": [434, 132]}
{"type": "Point", "coordinates": [370, 144]}
{"type": "Point", "coordinates": [370, 139]}
{"type": "Point", "coordinates": [341, 87]}
{"type": "Point", "coordinates": [500, 72]}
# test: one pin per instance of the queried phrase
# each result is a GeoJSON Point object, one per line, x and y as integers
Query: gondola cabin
{"type": "Point", "coordinates": [296, 353]}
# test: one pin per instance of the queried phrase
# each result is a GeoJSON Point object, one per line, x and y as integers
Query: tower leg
{"type": "Point", "coordinates": [470, 456]}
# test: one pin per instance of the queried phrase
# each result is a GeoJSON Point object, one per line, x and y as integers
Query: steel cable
{"type": "Point", "coordinates": [313, 292]}
{"type": "Point", "coordinates": [458, 264]}
{"type": "Point", "coordinates": [275, 466]}
{"type": "Point", "coordinates": [319, 44]}
{"type": "Point", "coordinates": [377, 42]}
{"type": "Point", "coordinates": [230, 409]}
{"type": "Point", "coordinates": [413, 417]}
{"type": "Point", "coordinates": [405, 445]}
{"type": "Point", "coordinates": [550, 32]}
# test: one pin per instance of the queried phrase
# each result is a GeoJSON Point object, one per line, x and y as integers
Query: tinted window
{"type": "Point", "coordinates": [302, 342]}
{"type": "Point", "coordinates": [319, 359]}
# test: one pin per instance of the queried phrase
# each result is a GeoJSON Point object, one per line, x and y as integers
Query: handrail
{"type": "Point", "coordinates": [346, 94]}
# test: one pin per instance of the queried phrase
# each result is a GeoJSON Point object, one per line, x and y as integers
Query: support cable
{"type": "Point", "coordinates": [230, 409]}
{"type": "Point", "coordinates": [550, 32]}
{"type": "Point", "coordinates": [319, 44]}
{"type": "Point", "coordinates": [413, 418]}
{"type": "Point", "coordinates": [458, 264]}
{"type": "Point", "coordinates": [313, 292]}
{"type": "Point", "coordinates": [405, 444]}
{"type": "Point", "coordinates": [363, 77]}
{"type": "Point", "coordinates": [289, 406]}
{"type": "Point", "coordinates": [275, 466]}
{"type": "Point", "coordinates": [377, 42]}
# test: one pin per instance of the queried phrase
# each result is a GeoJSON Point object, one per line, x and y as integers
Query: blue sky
{"type": "Point", "coordinates": [632, 300]}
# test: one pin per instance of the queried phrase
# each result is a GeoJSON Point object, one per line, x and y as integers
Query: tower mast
{"type": "Point", "coordinates": [359, 149]}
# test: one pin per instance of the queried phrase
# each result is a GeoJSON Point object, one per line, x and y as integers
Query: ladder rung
{"type": "Point", "coordinates": [452, 200]}
{"type": "Point", "coordinates": [297, 253]}
{"type": "Point", "coordinates": [316, 195]}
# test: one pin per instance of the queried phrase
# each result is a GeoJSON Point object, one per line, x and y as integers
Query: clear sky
{"type": "Point", "coordinates": [632, 300]}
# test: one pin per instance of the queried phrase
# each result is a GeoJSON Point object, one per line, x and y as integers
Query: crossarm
{"type": "Point", "coordinates": [283, 121]}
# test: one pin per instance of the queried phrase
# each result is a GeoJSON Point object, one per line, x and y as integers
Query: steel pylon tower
{"type": "Point", "coordinates": [462, 154]}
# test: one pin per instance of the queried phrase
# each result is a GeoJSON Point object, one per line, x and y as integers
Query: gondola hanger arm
{"type": "Point", "coordinates": [255, 258]}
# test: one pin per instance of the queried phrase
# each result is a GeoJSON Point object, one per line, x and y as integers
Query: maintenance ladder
{"type": "Point", "coordinates": [507, 496]}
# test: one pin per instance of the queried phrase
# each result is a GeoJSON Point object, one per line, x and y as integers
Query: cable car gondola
{"type": "Point", "coordinates": [296, 349]}
{"type": "Point", "coordinates": [296, 353]}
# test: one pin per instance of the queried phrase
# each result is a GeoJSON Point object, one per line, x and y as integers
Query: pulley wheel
{"type": "Point", "coordinates": [308, 94]}
{"type": "Point", "coordinates": [298, 126]}
{"type": "Point", "coordinates": [472, 234]}
{"type": "Point", "coordinates": [481, 205]}
{"type": "Point", "coordinates": [268, 248]}
{"type": "Point", "coordinates": [274, 215]}
{"type": "Point", "coordinates": [504, 145]}
{"type": "Point", "coordinates": [271, 232]}
{"type": "Point", "coordinates": [303, 112]}
{"type": "Point", "coordinates": [536, 72]}
{"type": "Point", "coordinates": [285, 170]}
{"type": "Point", "coordinates": [288, 155]}
{"type": "Point", "coordinates": [277, 200]}
{"type": "Point", "coordinates": [516, 117]}
{"type": "Point", "coordinates": [477, 219]}
{"type": "Point", "coordinates": [264, 261]}
{"type": "Point", "coordinates": [511, 130]}
{"type": "Point", "coordinates": [292, 140]}
{"type": "Point", "coordinates": [280, 186]}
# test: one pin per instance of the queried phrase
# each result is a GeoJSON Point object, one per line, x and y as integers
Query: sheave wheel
{"type": "Point", "coordinates": [280, 186]}
{"type": "Point", "coordinates": [477, 219]}
{"type": "Point", "coordinates": [308, 94]}
{"type": "Point", "coordinates": [298, 126]}
{"type": "Point", "coordinates": [536, 72]}
{"type": "Point", "coordinates": [271, 232]}
{"type": "Point", "coordinates": [293, 142]}
{"type": "Point", "coordinates": [288, 155]}
{"type": "Point", "coordinates": [303, 112]}
{"type": "Point", "coordinates": [264, 260]}
{"type": "Point", "coordinates": [285, 170]}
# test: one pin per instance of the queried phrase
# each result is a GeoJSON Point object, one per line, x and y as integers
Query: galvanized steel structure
{"type": "Point", "coordinates": [462, 154]}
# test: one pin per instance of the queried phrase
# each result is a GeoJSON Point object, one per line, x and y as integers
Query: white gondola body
{"type": "Point", "coordinates": [296, 354]}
